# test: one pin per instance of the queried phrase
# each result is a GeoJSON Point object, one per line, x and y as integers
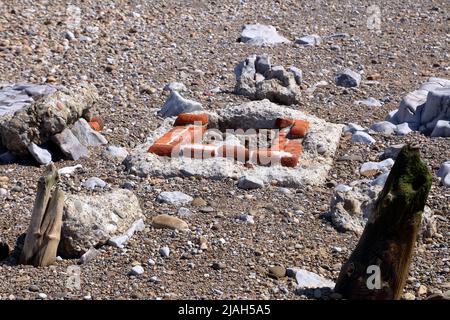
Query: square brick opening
{"type": "Point", "coordinates": [271, 142]}
{"type": "Point", "coordinates": [257, 138]}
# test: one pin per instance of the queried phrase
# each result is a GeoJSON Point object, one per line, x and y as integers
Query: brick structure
{"type": "Point", "coordinates": [186, 139]}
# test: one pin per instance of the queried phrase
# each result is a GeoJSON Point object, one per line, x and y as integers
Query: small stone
{"type": "Point", "coordinates": [93, 183]}
{"type": "Point", "coordinates": [89, 255]}
{"type": "Point", "coordinates": [403, 129]}
{"type": "Point", "coordinates": [298, 74]}
{"type": "Point", "coordinates": [218, 266]}
{"type": "Point", "coordinates": [260, 34]}
{"type": "Point", "coordinates": [33, 288]}
{"type": "Point", "coordinates": [151, 262]}
{"type": "Point", "coordinates": [309, 40]}
{"type": "Point", "coordinates": [42, 296]}
{"type": "Point", "coordinates": [164, 252]}
{"type": "Point", "coordinates": [70, 145]}
{"type": "Point", "coordinates": [277, 272]}
{"type": "Point", "coordinates": [174, 198]}
{"type": "Point", "coordinates": [348, 78]}
{"type": "Point", "coordinates": [41, 155]}
{"type": "Point", "coordinates": [198, 202]}
{"type": "Point", "coordinates": [247, 218]}
{"type": "Point", "coordinates": [362, 137]}
{"type": "Point", "coordinates": [352, 127]}
{"type": "Point", "coordinates": [384, 127]}
{"type": "Point", "coordinates": [136, 271]}
{"type": "Point", "coordinates": [86, 135]}
{"type": "Point", "coordinates": [176, 104]}
{"type": "Point", "coordinates": [170, 222]}
{"type": "Point", "coordinates": [409, 296]}
{"type": "Point", "coordinates": [184, 212]}
{"type": "Point", "coordinates": [249, 182]}
{"type": "Point", "coordinates": [369, 102]}
{"type": "Point", "coordinates": [118, 153]}
{"type": "Point", "coordinates": [175, 86]}
{"type": "Point", "coordinates": [422, 290]}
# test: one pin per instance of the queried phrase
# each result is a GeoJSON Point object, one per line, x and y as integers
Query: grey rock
{"type": "Point", "coordinates": [175, 198]}
{"type": "Point", "coordinates": [69, 145]}
{"type": "Point", "coordinates": [275, 83]}
{"type": "Point", "coordinates": [114, 152]}
{"type": "Point", "coordinates": [444, 173]}
{"type": "Point", "coordinates": [3, 193]}
{"type": "Point", "coordinates": [298, 74]}
{"type": "Point", "coordinates": [176, 104]}
{"type": "Point", "coordinates": [442, 129]}
{"type": "Point", "coordinates": [403, 129]}
{"type": "Point", "coordinates": [69, 35]}
{"type": "Point", "coordinates": [41, 155]}
{"type": "Point", "coordinates": [175, 86]}
{"type": "Point", "coordinates": [69, 170]}
{"type": "Point", "coordinates": [384, 127]}
{"type": "Point", "coordinates": [309, 280]}
{"type": "Point", "coordinates": [309, 40]}
{"type": "Point", "coordinates": [260, 34]}
{"type": "Point", "coordinates": [391, 151]}
{"type": "Point", "coordinates": [90, 220]}
{"type": "Point", "coordinates": [380, 180]}
{"type": "Point", "coordinates": [348, 78]}
{"type": "Point", "coordinates": [362, 137]}
{"type": "Point", "coordinates": [136, 271]}
{"type": "Point", "coordinates": [247, 218]}
{"type": "Point", "coordinates": [263, 65]}
{"type": "Point", "coordinates": [352, 127]}
{"type": "Point", "coordinates": [86, 135]}
{"type": "Point", "coordinates": [40, 120]}
{"type": "Point", "coordinates": [382, 166]}
{"type": "Point", "coordinates": [164, 252]}
{"type": "Point", "coordinates": [249, 182]}
{"type": "Point", "coordinates": [119, 241]}
{"type": "Point", "coordinates": [369, 102]}
{"type": "Point", "coordinates": [93, 183]}
{"type": "Point", "coordinates": [184, 212]}
{"type": "Point", "coordinates": [426, 109]}
{"type": "Point", "coordinates": [89, 256]}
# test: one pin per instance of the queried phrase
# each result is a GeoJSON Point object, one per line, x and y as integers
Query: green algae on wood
{"type": "Point", "coordinates": [386, 245]}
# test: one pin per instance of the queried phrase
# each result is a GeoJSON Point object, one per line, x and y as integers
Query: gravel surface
{"type": "Point", "coordinates": [134, 49]}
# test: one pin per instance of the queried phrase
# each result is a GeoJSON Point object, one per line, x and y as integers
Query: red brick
{"type": "Point", "coordinates": [190, 118]}
{"type": "Point", "coordinates": [239, 153]}
{"type": "Point", "coordinates": [281, 123]}
{"type": "Point", "coordinates": [265, 157]}
{"type": "Point", "coordinates": [96, 123]}
{"type": "Point", "coordinates": [175, 137]}
{"type": "Point", "coordinates": [299, 129]}
{"type": "Point", "coordinates": [199, 151]}
{"type": "Point", "coordinates": [290, 161]}
{"type": "Point", "coordinates": [279, 141]}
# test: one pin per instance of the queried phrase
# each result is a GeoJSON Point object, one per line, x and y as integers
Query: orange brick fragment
{"type": "Point", "coordinates": [176, 137]}
{"type": "Point", "coordinates": [96, 123]}
{"type": "Point", "coordinates": [191, 118]}
{"type": "Point", "coordinates": [299, 129]}
{"type": "Point", "coordinates": [238, 153]}
{"type": "Point", "coordinates": [199, 151]}
{"type": "Point", "coordinates": [281, 123]}
{"type": "Point", "coordinates": [265, 157]}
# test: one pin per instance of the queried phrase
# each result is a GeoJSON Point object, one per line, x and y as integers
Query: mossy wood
{"type": "Point", "coordinates": [390, 233]}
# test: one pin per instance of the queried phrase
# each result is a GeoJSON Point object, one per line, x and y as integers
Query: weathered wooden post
{"type": "Point", "coordinates": [44, 231]}
{"type": "Point", "coordinates": [385, 248]}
